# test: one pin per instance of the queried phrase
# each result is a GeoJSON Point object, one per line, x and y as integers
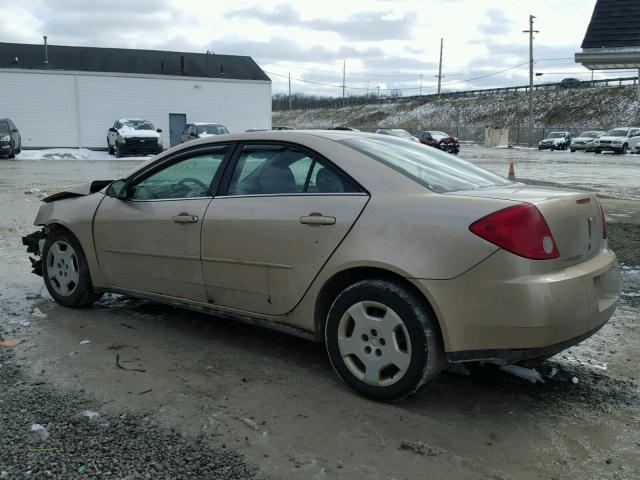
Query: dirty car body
{"type": "Point", "coordinates": [398, 256]}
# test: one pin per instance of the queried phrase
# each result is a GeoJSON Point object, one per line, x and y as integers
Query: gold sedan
{"type": "Point", "coordinates": [400, 257]}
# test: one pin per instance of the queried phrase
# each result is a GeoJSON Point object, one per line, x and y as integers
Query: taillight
{"type": "Point", "coordinates": [520, 229]}
{"type": "Point", "coordinates": [604, 223]}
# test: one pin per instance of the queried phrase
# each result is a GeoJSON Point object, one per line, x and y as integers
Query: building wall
{"type": "Point", "coordinates": [68, 109]}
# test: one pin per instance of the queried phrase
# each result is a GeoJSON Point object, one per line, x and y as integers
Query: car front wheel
{"type": "Point", "coordinates": [66, 272]}
{"type": "Point", "coordinates": [119, 151]}
{"type": "Point", "coordinates": [382, 340]}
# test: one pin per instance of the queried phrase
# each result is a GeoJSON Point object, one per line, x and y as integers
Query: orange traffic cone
{"type": "Point", "coordinates": [512, 173]}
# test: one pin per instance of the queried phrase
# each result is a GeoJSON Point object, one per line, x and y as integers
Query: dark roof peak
{"type": "Point", "coordinates": [134, 61]}
{"type": "Point", "coordinates": [614, 24]}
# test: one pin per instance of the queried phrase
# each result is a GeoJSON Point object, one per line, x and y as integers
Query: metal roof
{"type": "Point", "coordinates": [612, 40]}
{"type": "Point", "coordinates": [614, 24]}
{"type": "Point", "coordinates": [122, 60]}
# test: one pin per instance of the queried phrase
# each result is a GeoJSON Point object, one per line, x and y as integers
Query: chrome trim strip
{"type": "Point", "coordinates": [147, 254]}
{"type": "Point", "coordinates": [353, 194]}
{"type": "Point", "coordinates": [167, 199]}
{"type": "Point", "coordinates": [236, 261]}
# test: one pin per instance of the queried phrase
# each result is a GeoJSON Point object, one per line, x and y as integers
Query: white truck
{"type": "Point", "coordinates": [135, 136]}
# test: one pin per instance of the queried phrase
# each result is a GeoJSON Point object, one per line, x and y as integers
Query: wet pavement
{"type": "Point", "coordinates": [274, 399]}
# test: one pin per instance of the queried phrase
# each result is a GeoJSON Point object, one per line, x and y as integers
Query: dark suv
{"type": "Point", "coordinates": [10, 139]}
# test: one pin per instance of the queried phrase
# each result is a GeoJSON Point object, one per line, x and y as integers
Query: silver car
{"type": "Point", "coordinates": [584, 141]}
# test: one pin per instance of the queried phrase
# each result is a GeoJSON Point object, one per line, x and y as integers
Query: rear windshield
{"type": "Point", "coordinates": [212, 129]}
{"type": "Point", "coordinates": [431, 168]}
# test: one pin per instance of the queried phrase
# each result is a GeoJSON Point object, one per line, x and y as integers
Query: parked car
{"type": "Point", "coordinates": [440, 140]}
{"type": "Point", "coordinates": [133, 136]}
{"type": "Point", "coordinates": [282, 127]}
{"type": "Point", "coordinates": [570, 83]}
{"type": "Point", "coordinates": [555, 141]}
{"type": "Point", "coordinates": [585, 140]}
{"type": "Point", "coordinates": [10, 139]}
{"type": "Point", "coordinates": [400, 258]}
{"type": "Point", "coordinates": [618, 140]}
{"type": "Point", "coordinates": [346, 129]}
{"type": "Point", "coordinates": [397, 132]}
{"type": "Point", "coordinates": [193, 131]}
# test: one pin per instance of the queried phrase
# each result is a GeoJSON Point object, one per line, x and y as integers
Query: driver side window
{"type": "Point", "coordinates": [188, 178]}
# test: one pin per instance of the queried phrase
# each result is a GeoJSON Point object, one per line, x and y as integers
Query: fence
{"type": "Point", "coordinates": [282, 102]}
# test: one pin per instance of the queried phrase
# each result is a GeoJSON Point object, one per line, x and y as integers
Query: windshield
{"type": "Point", "coordinates": [138, 125]}
{"type": "Point", "coordinates": [556, 135]}
{"type": "Point", "coordinates": [396, 132]}
{"type": "Point", "coordinates": [438, 171]}
{"type": "Point", "coordinates": [617, 132]}
{"type": "Point", "coordinates": [439, 135]}
{"type": "Point", "coordinates": [4, 127]}
{"type": "Point", "coordinates": [212, 129]}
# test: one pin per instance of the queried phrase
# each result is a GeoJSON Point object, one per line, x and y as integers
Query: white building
{"type": "Point", "coordinates": [61, 96]}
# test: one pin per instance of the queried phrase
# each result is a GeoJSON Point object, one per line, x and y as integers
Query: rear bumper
{"type": "Point", "coordinates": [492, 313]}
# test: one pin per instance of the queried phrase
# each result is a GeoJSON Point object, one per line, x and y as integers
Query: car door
{"type": "Point", "coordinates": [282, 212]}
{"type": "Point", "coordinates": [186, 132]}
{"type": "Point", "coordinates": [150, 240]}
{"type": "Point", "coordinates": [634, 137]}
{"type": "Point", "coordinates": [112, 134]}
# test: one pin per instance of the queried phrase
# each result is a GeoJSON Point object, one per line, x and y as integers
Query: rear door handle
{"type": "Point", "coordinates": [316, 218]}
{"type": "Point", "coordinates": [185, 218]}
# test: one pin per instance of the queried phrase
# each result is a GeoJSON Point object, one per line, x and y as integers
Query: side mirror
{"type": "Point", "coordinates": [112, 130]}
{"type": "Point", "coordinates": [118, 189]}
{"type": "Point", "coordinates": [14, 130]}
{"type": "Point", "coordinates": [159, 130]}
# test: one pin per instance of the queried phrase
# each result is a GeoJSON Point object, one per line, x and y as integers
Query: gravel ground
{"type": "Point", "coordinates": [73, 441]}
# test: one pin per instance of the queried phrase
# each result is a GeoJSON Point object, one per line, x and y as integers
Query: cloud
{"type": "Point", "coordinates": [363, 26]}
{"type": "Point", "coordinates": [498, 23]}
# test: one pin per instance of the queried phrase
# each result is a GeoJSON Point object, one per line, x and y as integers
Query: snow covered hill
{"type": "Point", "coordinates": [567, 108]}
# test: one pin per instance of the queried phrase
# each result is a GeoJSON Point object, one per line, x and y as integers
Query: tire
{"type": "Point", "coordinates": [625, 149]}
{"type": "Point", "coordinates": [573, 150]}
{"type": "Point", "coordinates": [119, 151]}
{"type": "Point", "coordinates": [110, 148]}
{"type": "Point", "coordinates": [12, 151]}
{"type": "Point", "coordinates": [65, 270]}
{"type": "Point", "coordinates": [383, 321]}
{"type": "Point", "coordinates": [597, 152]}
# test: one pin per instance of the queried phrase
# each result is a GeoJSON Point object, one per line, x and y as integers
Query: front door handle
{"type": "Point", "coordinates": [185, 218]}
{"type": "Point", "coordinates": [316, 218]}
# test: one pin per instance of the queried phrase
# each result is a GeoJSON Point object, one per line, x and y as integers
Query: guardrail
{"type": "Point", "coordinates": [282, 104]}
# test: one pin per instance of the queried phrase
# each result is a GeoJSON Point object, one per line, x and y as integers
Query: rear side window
{"type": "Point", "coordinates": [435, 170]}
{"type": "Point", "coordinates": [273, 170]}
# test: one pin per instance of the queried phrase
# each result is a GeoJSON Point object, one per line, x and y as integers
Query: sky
{"type": "Point", "coordinates": [390, 44]}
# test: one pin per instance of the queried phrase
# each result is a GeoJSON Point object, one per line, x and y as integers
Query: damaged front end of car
{"type": "Point", "coordinates": [35, 243]}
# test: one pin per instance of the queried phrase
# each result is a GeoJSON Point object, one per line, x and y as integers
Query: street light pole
{"type": "Point", "coordinates": [531, 31]}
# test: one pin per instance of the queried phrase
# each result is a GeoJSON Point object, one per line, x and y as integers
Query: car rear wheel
{"type": "Point", "coordinates": [66, 272]}
{"type": "Point", "coordinates": [382, 340]}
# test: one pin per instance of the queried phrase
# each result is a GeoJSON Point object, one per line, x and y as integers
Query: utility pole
{"type": "Point", "coordinates": [344, 76]}
{"type": "Point", "coordinates": [440, 67]}
{"type": "Point", "coordinates": [378, 87]}
{"type": "Point", "coordinates": [289, 90]}
{"type": "Point", "coordinates": [421, 84]}
{"type": "Point", "coordinates": [531, 31]}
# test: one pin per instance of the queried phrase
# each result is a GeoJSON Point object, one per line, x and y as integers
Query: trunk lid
{"type": "Point", "coordinates": [573, 217]}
